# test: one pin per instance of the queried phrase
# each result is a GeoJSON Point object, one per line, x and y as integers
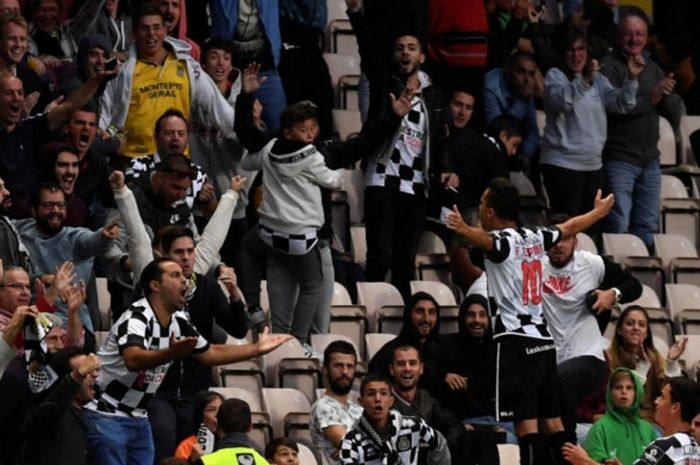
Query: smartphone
{"type": "Point", "coordinates": [111, 64]}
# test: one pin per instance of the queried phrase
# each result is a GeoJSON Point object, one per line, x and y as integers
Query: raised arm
{"type": "Point", "coordinates": [477, 236]}
{"type": "Point", "coordinates": [77, 100]}
{"type": "Point", "coordinates": [577, 224]}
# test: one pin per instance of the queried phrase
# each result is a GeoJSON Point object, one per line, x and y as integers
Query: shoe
{"type": "Point", "coordinates": [310, 352]}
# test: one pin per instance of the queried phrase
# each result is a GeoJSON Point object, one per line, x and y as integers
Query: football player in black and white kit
{"type": "Point", "coordinates": [675, 409]}
{"type": "Point", "coordinates": [569, 275]}
{"type": "Point", "coordinates": [526, 385]}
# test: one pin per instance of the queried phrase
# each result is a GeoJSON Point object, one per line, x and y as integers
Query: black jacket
{"type": "Point", "coordinates": [187, 377]}
{"type": "Point", "coordinates": [55, 432]}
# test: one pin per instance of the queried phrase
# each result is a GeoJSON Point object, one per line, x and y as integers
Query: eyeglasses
{"type": "Point", "coordinates": [50, 205]}
{"type": "Point", "coordinates": [17, 286]}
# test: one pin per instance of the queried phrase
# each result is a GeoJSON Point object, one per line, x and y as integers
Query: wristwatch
{"type": "Point", "coordinates": [618, 294]}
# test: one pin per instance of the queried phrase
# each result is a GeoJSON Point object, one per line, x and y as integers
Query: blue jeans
{"type": "Point", "coordinates": [637, 197]}
{"type": "Point", "coordinates": [114, 440]}
{"type": "Point", "coordinates": [273, 99]}
{"type": "Point", "coordinates": [491, 421]}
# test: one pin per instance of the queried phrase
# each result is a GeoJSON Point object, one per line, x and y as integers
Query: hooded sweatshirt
{"type": "Point", "coordinates": [408, 336]}
{"type": "Point", "coordinates": [471, 357]}
{"type": "Point", "coordinates": [620, 433]}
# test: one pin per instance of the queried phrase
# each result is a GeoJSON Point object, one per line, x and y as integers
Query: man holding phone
{"type": "Point", "coordinates": [398, 177]}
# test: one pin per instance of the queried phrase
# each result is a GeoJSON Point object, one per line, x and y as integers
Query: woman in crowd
{"type": "Point", "coordinates": [576, 98]}
{"type": "Point", "coordinates": [633, 348]}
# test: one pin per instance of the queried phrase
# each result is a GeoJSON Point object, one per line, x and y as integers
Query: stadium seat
{"type": "Point", "coordinates": [584, 242]}
{"type": "Point", "coordinates": [376, 341]}
{"type": "Point", "coordinates": [281, 401]}
{"type": "Point", "coordinates": [629, 251]}
{"type": "Point", "coordinates": [340, 295]}
{"type": "Point", "coordinates": [251, 398]}
{"type": "Point", "coordinates": [667, 143]}
{"type": "Point", "coordinates": [104, 303]}
{"type": "Point", "coordinates": [347, 123]}
{"type": "Point", "coordinates": [691, 355]}
{"type": "Point", "coordinates": [431, 243]}
{"type": "Point", "coordinates": [359, 244]}
{"type": "Point", "coordinates": [351, 321]}
{"type": "Point", "coordinates": [672, 187]}
{"type": "Point", "coordinates": [509, 454]}
{"type": "Point", "coordinates": [390, 319]}
{"type": "Point", "coordinates": [680, 258]}
{"type": "Point", "coordinates": [689, 124]}
{"type": "Point", "coordinates": [682, 297]}
{"type": "Point", "coordinates": [440, 292]}
{"type": "Point", "coordinates": [681, 216]}
{"type": "Point", "coordinates": [661, 324]}
{"type": "Point", "coordinates": [689, 320]}
{"type": "Point", "coordinates": [648, 299]}
{"type": "Point", "coordinates": [303, 374]}
{"type": "Point", "coordinates": [306, 456]}
{"type": "Point", "coordinates": [247, 374]}
{"type": "Point", "coordinates": [290, 349]}
{"type": "Point", "coordinates": [320, 341]}
{"type": "Point", "coordinates": [261, 434]}
{"type": "Point", "coordinates": [376, 295]}
{"type": "Point", "coordinates": [345, 74]}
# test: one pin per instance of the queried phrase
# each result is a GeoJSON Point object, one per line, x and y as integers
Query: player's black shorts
{"type": "Point", "coordinates": [526, 379]}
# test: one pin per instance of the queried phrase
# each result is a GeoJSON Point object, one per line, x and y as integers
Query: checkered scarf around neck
{"type": "Point", "coordinates": [389, 455]}
{"type": "Point", "coordinates": [191, 286]}
{"type": "Point", "coordinates": [40, 375]}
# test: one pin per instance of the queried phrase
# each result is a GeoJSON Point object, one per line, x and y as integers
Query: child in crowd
{"type": "Point", "coordinates": [282, 451]}
{"type": "Point", "coordinates": [206, 409]}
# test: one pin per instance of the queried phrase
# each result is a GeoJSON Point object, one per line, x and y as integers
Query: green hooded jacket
{"type": "Point", "coordinates": [620, 433]}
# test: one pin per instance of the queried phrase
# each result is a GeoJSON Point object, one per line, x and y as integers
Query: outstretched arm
{"type": "Point", "coordinates": [219, 354]}
{"type": "Point", "coordinates": [577, 224]}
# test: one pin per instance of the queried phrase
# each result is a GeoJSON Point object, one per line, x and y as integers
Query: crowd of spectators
{"type": "Point", "coordinates": [185, 152]}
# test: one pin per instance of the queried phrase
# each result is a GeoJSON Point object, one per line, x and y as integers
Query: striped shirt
{"type": "Point", "coordinates": [677, 449]}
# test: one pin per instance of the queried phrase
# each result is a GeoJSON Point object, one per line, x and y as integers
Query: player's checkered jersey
{"type": "Point", "coordinates": [678, 449]}
{"type": "Point", "coordinates": [571, 324]}
{"type": "Point", "coordinates": [514, 271]}
{"type": "Point", "coordinates": [406, 436]}
{"type": "Point", "coordinates": [141, 166]}
{"type": "Point", "coordinates": [404, 170]}
{"type": "Point", "coordinates": [127, 393]}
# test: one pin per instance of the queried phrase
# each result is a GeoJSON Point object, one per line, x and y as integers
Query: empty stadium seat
{"type": "Point", "coordinates": [390, 319]}
{"type": "Point", "coordinates": [359, 244]}
{"type": "Point", "coordinates": [666, 143]}
{"type": "Point", "coordinates": [431, 243]}
{"type": "Point", "coordinates": [648, 299]}
{"type": "Point", "coordinates": [247, 374]}
{"type": "Point", "coordinates": [303, 374]}
{"type": "Point", "coordinates": [689, 124]}
{"type": "Point", "coordinates": [290, 349]}
{"type": "Point", "coordinates": [347, 123]}
{"type": "Point", "coordinates": [681, 297]}
{"type": "Point", "coordinates": [376, 295]}
{"type": "Point", "coordinates": [689, 320]}
{"type": "Point", "coordinates": [691, 355]}
{"type": "Point", "coordinates": [629, 251]}
{"type": "Point", "coordinates": [672, 187]}
{"type": "Point", "coordinates": [345, 74]}
{"type": "Point", "coordinates": [340, 295]}
{"type": "Point", "coordinates": [680, 258]}
{"type": "Point", "coordinates": [351, 321]}
{"type": "Point", "coordinates": [281, 401]}
{"type": "Point", "coordinates": [509, 454]}
{"type": "Point", "coordinates": [261, 434]}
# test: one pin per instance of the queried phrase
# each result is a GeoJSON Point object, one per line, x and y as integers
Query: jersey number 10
{"type": "Point", "coordinates": [532, 282]}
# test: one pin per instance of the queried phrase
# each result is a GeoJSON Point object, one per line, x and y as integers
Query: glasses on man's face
{"type": "Point", "coordinates": [17, 286]}
{"type": "Point", "coordinates": [52, 205]}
